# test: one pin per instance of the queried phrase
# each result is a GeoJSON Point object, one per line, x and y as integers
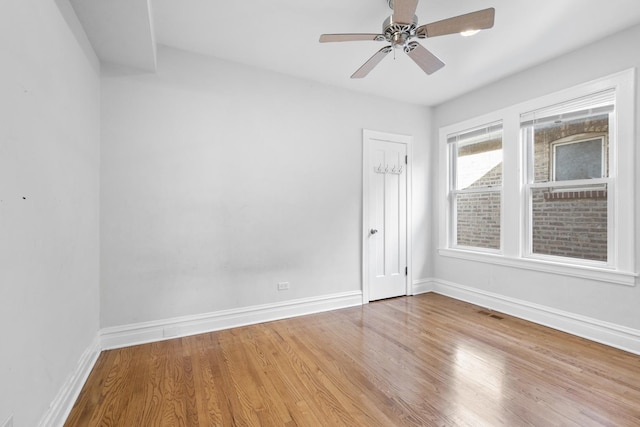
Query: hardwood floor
{"type": "Point", "coordinates": [426, 360]}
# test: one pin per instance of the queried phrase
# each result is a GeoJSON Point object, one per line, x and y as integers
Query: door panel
{"type": "Point", "coordinates": [387, 219]}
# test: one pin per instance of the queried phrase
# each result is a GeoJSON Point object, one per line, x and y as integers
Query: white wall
{"type": "Point", "coordinates": [616, 304]}
{"type": "Point", "coordinates": [49, 205]}
{"type": "Point", "coordinates": [220, 180]}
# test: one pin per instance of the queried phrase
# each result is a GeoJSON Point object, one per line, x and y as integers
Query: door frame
{"type": "Point", "coordinates": [367, 136]}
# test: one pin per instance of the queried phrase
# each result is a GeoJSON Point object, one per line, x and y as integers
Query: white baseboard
{"type": "Point", "coordinates": [61, 406]}
{"type": "Point", "coordinates": [141, 333]}
{"type": "Point", "coordinates": [613, 335]}
{"type": "Point", "coordinates": [422, 286]}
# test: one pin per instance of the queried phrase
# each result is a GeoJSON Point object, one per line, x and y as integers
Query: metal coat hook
{"type": "Point", "coordinates": [397, 170]}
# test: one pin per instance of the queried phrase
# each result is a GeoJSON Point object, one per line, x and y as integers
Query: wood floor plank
{"type": "Point", "coordinates": [207, 402]}
{"type": "Point", "coordinates": [426, 360]}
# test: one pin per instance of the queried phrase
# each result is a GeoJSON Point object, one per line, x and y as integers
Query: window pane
{"type": "Point", "coordinates": [578, 160]}
{"type": "Point", "coordinates": [478, 216]}
{"type": "Point", "coordinates": [571, 149]}
{"type": "Point", "coordinates": [571, 223]}
{"type": "Point", "coordinates": [479, 164]}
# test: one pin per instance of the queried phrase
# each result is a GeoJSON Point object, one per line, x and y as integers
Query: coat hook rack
{"type": "Point", "coordinates": [396, 170]}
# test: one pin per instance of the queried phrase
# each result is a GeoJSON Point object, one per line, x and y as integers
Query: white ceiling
{"type": "Point", "coordinates": [282, 35]}
{"type": "Point", "coordinates": [120, 31]}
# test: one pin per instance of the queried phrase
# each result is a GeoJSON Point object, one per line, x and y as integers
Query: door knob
{"type": "Point", "coordinates": [374, 231]}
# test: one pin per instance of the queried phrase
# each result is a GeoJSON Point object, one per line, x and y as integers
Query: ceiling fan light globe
{"type": "Point", "coordinates": [399, 40]}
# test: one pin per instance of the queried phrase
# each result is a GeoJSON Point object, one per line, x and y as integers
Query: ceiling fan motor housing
{"type": "Point", "coordinates": [399, 33]}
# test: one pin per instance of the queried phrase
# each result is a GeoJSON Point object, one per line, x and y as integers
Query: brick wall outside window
{"type": "Point", "coordinates": [478, 222]}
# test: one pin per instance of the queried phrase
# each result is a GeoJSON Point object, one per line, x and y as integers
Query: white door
{"type": "Point", "coordinates": [385, 232]}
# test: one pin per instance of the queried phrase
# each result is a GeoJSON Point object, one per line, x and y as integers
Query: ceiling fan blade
{"type": "Point", "coordinates": [326, 38]}
{"type": "Point", "coordinates": [371, 63]}
{"type": "Point", "coordinates": [425, 59]}
{"type": "Point", "coordinates": [404, 10]}
{"type": "Point", "coordinates": [480, 20]}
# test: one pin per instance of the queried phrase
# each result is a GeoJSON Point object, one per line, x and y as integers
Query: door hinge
{"type": "Point", "coordinates": [406, 160]}
{"type": "Point", "coordinates": [406, 271]}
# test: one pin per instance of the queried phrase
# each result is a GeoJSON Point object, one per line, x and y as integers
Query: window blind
{"type": "Point", "coordinates": [598, 103]}
{"type": "Point", "coordinates": [484, 133]}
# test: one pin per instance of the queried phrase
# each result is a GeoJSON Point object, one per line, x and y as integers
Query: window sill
{"type": "Point", "coordinates": [585, 272]}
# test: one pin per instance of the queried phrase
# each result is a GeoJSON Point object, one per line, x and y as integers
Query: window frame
{"type": "Point", "coordinates": [530, 184]}
{"type": "Point", "coordinates": [620, 268]}
{"type": "Point", "coordinates": [454, 191]}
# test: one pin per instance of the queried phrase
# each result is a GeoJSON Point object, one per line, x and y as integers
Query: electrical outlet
{"type": "Point", "coordinates": [9, 422]}
{"type": "Point", "coordinates": [283, 286]}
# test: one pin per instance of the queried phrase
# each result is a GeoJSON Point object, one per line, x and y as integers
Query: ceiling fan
{"type": "Point", "coordinates": [402, 26]}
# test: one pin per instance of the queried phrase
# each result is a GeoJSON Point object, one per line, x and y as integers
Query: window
{"type": "Point", "coordinates": [547, 184]}
{"type": "Point", "coordinates": [476, 187]}
{"type": "Point", "coordinates": [582, 159]}
{"type": "Point", "coordinates": [567, 181]}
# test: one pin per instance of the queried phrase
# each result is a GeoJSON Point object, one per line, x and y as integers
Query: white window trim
{"type": "Point", "coordinates": [544, 265]}
{"type": "Point", "coordinates": [621, 270]}
{"type": "Point", "coordinates": [453, 191]}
